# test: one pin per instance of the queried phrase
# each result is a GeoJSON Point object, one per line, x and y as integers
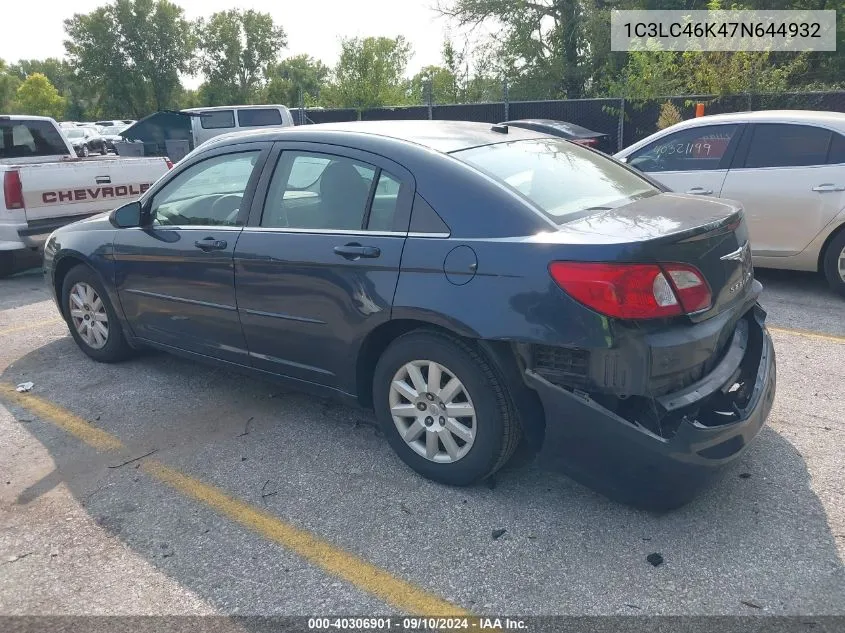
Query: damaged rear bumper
{"type": "Point", "coordinates": [711, 422]}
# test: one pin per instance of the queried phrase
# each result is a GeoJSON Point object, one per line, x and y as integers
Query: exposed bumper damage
{"type": "Point", "coordinates": [659, 455]}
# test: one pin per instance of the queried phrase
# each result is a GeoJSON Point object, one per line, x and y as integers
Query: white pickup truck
{"type": "Point", "coordinates": [45, 186]}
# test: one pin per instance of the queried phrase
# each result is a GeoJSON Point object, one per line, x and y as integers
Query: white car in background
{"type": "Point", "coordinates": [787, 168]}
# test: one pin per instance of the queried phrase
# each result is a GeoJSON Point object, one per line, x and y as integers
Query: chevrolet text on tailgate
{"type": "Point", "coordinates": [45, 186]}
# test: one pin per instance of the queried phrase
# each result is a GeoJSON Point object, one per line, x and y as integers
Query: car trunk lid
{"type": "Point", "coordinates": [708, 234]}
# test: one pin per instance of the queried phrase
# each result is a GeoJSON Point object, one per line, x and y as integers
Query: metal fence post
{"type": "Point", "coordinates": [506, 98]}
{"type": "Point", "coordinates": [428, 95]}
{"type": "Point", "coordinates": [301, 108]}
{"type": "Point", "coordinates": [620, 127]}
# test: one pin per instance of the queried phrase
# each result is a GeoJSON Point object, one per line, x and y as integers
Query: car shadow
{"type": "Point", "coordinates": [763, 504]}
{"type": "Point", "coordinates": [16, 290]}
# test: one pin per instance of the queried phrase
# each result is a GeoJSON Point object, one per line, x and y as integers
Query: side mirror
{"type": "Point", "coordinates": [127, 216]}
{"type": "Point", "coordinates": [623, 159]}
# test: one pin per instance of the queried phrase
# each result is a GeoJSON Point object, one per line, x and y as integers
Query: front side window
{"type": "Point", "coordinates": [217, 119]}
{"type": "Point", "coordinates": [693, 149]}
{"type": "Point", "coordinates": [206, 194]}
{"type": "Point", "coordinates": [258, 117]}
{"type": "Point", "coordinates": [320, 191]}
{"type": "Point", "coordinates": [559, 177]}
{"type": "Point", "coordinates": [787, 145]}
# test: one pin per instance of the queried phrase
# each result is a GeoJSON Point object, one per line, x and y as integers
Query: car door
{"type": "Point", "coordinates": [693, 160]}
{"type": "Point", "coordinates": [175, 274]}
{"type": "Point", "coordinates": [788, 181]}
{"type": "Point", "coordinates": [317, 267]}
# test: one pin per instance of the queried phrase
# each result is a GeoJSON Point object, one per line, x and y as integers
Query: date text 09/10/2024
{"type": "Point", "coordinates": [416, 624]}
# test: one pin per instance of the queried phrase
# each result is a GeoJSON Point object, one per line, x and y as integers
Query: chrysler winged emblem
{"type": "Point", "coordinates": [738, 255]}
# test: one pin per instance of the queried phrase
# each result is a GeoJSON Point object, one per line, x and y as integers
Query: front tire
{"type": "Point", "coordinates": [85, 151]}
{"type": "Point", "coordinates": [834, 263]}
{"type": "Point", "coordinates": [444, 408]}
{"type": "Point", "coordinates": [91, 317]}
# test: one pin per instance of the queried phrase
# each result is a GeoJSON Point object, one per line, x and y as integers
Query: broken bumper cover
{"type": "Point", "coordinates": [583, 435]}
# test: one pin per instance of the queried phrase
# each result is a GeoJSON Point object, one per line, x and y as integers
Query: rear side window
{"type": "Point", "coordinates": [559, 177]}
{"type": "Point", "coordinates": [217, 119]}
{"type": "Point", "coordinates": [837, 150]}
{"type": "Point", "coordinates": [693, 149]}
{"type": "Point", "coordinates": [259, 117]}
{"type": "Point", "coordinates": [23, 139]}
{"type": "Point", "coordinates": [786, 145]}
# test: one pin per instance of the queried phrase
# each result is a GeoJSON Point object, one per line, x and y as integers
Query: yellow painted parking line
{"type": "Point", "coordinates": [338, 562]}
{"type": "Point", "coordinates": [30, 326]}
{"type": "Point", "coordinates": [73, 424]}
{"type": "Point", "coordinates": [835, 338]}
{"type": "Point", "coordinates": [363, 575]}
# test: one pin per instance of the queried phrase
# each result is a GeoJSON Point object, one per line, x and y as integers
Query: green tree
{"type": "Point", "coordinates": [237, 47]}
{"type": "Point", "coordinates": [293, 75]}
{"type": "Point", "coordinates": [129, 55]}
{"type": "Point", "coordinates": [370, 73]}
{"type": "Point", "coordinates": [9, 83]}
{"type": "Point", "coordinates": [443, 85]}
{"type": "Point", "coordinates": [38, 97]}
{"type": "Point", "coordinates": [61, 75]}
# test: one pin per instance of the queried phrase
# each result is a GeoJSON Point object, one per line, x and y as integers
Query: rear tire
{"type": "Point", "coordinates": [7, 263]}
{"type": "Point", "coordinates": [91, 318]}
{"type": "Point", "coordinates": [457, 449]}
{"type": "Point", "coordinates": [834, 263]}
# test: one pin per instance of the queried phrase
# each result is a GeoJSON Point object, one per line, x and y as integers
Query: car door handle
{"type": "Point", "coordinates": [103, 180]}
{"type": "Point", "coordinates": [355, 251]}
{"type": "Point", "coordinates": [829, 187]}
{"type": "Point", "coordinates": [700, 191]}
{"type": "Point", "coordinates": [211, 244]}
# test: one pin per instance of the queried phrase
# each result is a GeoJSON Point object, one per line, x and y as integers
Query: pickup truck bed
{"type": "Point", "coordinates": [45, 186]}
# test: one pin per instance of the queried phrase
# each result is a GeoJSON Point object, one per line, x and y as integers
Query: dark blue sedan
{"type": "Point", "coordinates": [480, 287]}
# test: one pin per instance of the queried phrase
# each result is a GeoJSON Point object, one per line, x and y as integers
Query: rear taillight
{"type": "Point", "coordinates": [634, 291]}
{"type": "Point", "coordinates": [169, 163]}
{"type": "Point", "coordinates": [589, 142]}
{"type": "Point", "coordinates": [12, 190]}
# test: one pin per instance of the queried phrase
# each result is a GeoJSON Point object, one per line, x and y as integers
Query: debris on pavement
{"type": "Point", "coordinates": [655, 559]}
{"type": "Point", "coordinates": [24, 387]}
{"type": "Point", "coordinates": [264, 495]}
{"type": "Point", "coordinates": [246, 427]}
{"type": "Point", "coordinates": [134, 459]}
{"type": "Point", "coordinates": [497, 534]}
{"type": "Point", "coordinates": [749, 603]}
{"type": "Point", "coordinates": [744, 475]}
{"type": "Point", "coordinates": [14, 559]}
{"type": "Point", "coordinates": [405, 508]}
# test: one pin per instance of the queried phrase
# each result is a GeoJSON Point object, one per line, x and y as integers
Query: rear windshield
{"type": "Point", "coordinates": [259, 117]}
{"type": "Point", "coordinates": [559, 177]}
{"type": "Point", "coordinates": [219, 119]}
{"type": "Point", "coordinates": [24, 139]}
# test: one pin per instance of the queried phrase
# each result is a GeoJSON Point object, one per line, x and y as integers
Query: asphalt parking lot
{"type": "Point", "coordinates": [159, 486]}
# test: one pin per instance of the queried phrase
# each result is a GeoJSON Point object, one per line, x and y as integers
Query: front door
{"type": "Point", "coordinates": [791, 183]}
{"type": "Point", "coordinates": [694, 160]}
{"type": "Point", "coordinates": [317, 267]}
{"type": "Point", "coordinates": [175, 275]}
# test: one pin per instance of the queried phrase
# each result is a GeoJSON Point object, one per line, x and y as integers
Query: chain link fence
{"type": "Point", "coordinates": [625, 121]}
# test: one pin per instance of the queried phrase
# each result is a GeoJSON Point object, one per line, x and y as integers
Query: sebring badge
{"type": "Point", "coordinates": [742, 254]}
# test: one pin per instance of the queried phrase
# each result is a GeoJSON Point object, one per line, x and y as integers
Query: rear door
{"type": "Point", "coordinates": [86, 187]}
{"type": "Point", "coordinates": [175, 275]}
{"type": "Point", "coordinates": [317, 267]}
{"type": "Point", "coordinates": [694, 160]}
{"type": "Point", "coordinates": [791, 182]}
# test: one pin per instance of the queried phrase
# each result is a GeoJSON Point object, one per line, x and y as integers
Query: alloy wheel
{"type": "Point", "coordinates": [841, 265]}
{"type": "Point", "coordinates": [432, 411]}
{"type": "Point", "coordinates": [89, 316]}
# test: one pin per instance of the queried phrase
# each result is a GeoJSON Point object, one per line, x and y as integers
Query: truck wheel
{"type": "Point", "coordinates": [85, 151]}
{"type": "Point", "coordinates": [834, 263]}
{"type": "Point", "coordinates": [104, 151]}
{"type": "Point", "coordinates": [91, 318]}
{"type": "Point", "coordinates": [7, 263]}
{"type": "Point", "coordinates": [444, 409]}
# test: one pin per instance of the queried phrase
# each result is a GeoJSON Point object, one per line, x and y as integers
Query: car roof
{"type": "Point", "coordinates": [440, 136]}
{"type": "Point", "coordinates": [817, 116]}
{"type": "Point", "coordinates": [235, 107]}
{"type": "Point", "coordinates": [23, 117]}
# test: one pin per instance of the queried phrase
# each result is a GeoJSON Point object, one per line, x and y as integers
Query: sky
{"type": "Point", "coordinates": [312, 26]}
